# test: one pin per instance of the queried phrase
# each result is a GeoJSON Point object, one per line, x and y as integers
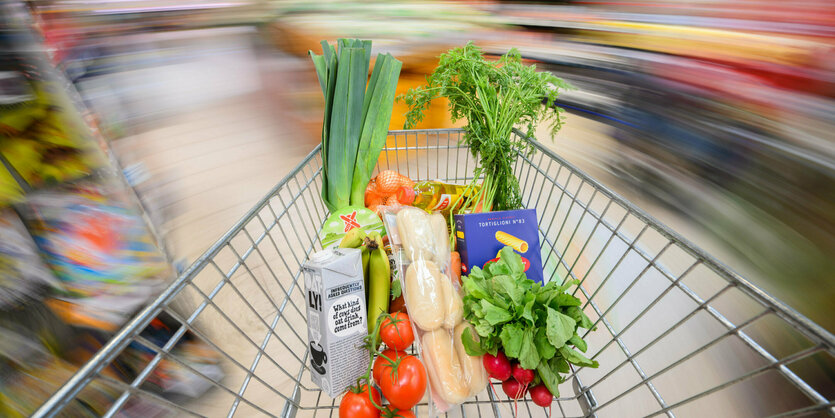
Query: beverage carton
{"type": "Point", "coordinates": [336, 318]}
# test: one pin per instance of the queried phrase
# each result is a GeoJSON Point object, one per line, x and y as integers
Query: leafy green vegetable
{"type": "Point", "coordinates": [494, 314]}
{"type": "Point", "coordinates": [471, 346]}
{"type": "Point", "coordinates": [493, 97]}
{"type": "Point", "coordinates": [355, 123]}
{"type": "Point", "coordinates": [376, 115]}
{"type": "Point", "coordinates": [531, 323]}
{"type": "Point", "coordinates": [543, 346]}
{"type": "Point", "coordinates": [574, 357]}
{"type": "Point", "coordinates": [511, 337]}
{"type": "Point", "coordinates": [550, 377]}
{"type": "Point", "coordinates": [578, 342]}
{"type": "Point", "coordinates": [528, 355]}
{"type": "Point", "coordinates": [559, 328]}
{"type": "Point", "coordinates": [397, 289]}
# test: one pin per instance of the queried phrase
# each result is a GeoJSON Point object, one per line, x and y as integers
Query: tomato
{"type": "Point", "coordinates": [357, 404]}
{"type": "Point", "coordinates": [405, 383]}
{"type": "Point", "coordinates": [381, 364]}
{"type": "Point", "coordinates": [398, 413]}
{"type": "Point", "coordinates": [397, 334]}
{"type": "Point", "coordinates": [398, 304]}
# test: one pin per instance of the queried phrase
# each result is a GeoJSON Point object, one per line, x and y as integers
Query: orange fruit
{"type": "Point", "coordinates": [388, 181]}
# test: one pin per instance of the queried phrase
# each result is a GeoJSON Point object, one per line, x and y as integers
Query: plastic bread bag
{"type": "Point", "coordinates": [421, 235]}
{"type": "Point", "coordinates": [434, 304]}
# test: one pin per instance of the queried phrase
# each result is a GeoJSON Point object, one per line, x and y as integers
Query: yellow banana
{"type": "Point", "coordinates": [366, 255]}
{"type": "Point", "coordinates": [379, 278]}
{"type": "Point", "coordinates": [353, 238]}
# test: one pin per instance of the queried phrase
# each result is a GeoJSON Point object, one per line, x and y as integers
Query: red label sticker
{"type": "Point", "coordinates": [350, 221]}
{"type": "Point", "coordinates": [443, 203]}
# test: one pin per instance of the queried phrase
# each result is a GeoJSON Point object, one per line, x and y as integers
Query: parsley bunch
{"type": "Point", "coordinates": [534, 324]}
{"type": "Point", "coordinates": [493, 97]}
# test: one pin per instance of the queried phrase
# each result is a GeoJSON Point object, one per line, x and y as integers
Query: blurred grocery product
{"type": "Point", "coordinates": [42, 140]}
{"type": "Point", "coordinates": [23, 275]}
{"type": "Point", "coordinates": [435, 195]}
{"type": "Point", "coordinates": [99, 248]}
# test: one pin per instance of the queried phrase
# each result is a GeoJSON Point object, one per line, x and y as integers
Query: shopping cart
{"type": "Point", "coordinates": [678, 333]}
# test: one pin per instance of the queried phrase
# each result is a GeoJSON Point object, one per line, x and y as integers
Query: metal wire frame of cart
{"type": "Point", "coordinates": [678, 333]}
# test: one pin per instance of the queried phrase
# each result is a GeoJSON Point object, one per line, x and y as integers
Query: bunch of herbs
{"type": "Point", "coordinates": [493, 97]}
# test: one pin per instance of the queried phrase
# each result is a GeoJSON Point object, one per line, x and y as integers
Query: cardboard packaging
{"type": "Point", "coordinates": [480, 236]}
{"type": "Point", "coordinates": [336, 318]}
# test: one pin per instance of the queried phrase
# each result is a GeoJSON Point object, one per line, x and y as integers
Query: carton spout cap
{"type": "Point", "coordinates": [322, 256]}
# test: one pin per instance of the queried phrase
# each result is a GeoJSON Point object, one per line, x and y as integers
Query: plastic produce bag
{"type": "Point", "coordinates": [420, 242]}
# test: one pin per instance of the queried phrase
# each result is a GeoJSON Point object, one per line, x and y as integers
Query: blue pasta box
{"type": "Point", "coordinates": [480, 236]}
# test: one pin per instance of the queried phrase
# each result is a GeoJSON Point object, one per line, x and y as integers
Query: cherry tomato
{"type": "Point", "coordinates": [358, 405]}
{"type": "Point", "coordinates": [381, 364]}
{"type": "Point", "coordinates": [405, 384]}
{"type": "Point", "coordinates": [397, 334]}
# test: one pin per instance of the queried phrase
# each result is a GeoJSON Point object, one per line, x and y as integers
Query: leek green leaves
{"type": "Point", "coordinates": [356, 119]}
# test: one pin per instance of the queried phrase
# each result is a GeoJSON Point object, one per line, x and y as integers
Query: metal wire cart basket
{"type": "Point", "coordinates": [678, 333]}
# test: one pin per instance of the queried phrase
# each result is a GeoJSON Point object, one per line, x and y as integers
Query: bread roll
{"type": "Point", "coordinates": [472, 366]}
{"type": "Point", "coordinates": [424, 294]}
{"type": "Point", "coordinates": [444, 367]}
{"type": "Point", "coordinates": [441, 235]}
{"type": "Point", "coordinates": [416, 234]}
{"type": "Point", "coordinates": [453, 305]}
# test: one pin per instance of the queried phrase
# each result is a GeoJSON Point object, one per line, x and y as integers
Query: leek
{"type": "Point", "coordinates": [355, 123]}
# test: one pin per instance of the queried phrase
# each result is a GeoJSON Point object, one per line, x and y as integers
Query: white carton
{"type": "Point", "coordinates": [336, 318]}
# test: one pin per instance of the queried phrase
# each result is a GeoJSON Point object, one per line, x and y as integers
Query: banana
{"type": "Point", "coordinates": [353, 238]}
{"type": "Point", "coordinates": [366, 255]}
{"type": "Point", "coordinates": [379, 278]}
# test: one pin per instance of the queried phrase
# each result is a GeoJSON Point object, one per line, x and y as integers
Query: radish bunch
{"type": "Point", "coordinates": [515, 379]}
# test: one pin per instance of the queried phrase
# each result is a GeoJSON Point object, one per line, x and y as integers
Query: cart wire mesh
{"type": "Point", "coordinates": [678, 333]}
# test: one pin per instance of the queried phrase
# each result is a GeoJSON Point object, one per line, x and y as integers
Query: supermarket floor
{"type": "Point", "coordinates": [213, 130]}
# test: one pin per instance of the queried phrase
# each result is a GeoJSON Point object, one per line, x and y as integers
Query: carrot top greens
{"type": "Point", "coordinates": [493, 97]}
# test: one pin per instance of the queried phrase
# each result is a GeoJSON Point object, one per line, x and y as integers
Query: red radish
{"type": "Point", "coordinates": [541, 396]}
{"type": "Point", "coordinates": [523, 376]}
{"type": "Point", "coordinates": [513, 389]}
{"type": "Point", "coordinates": [497, 367]}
